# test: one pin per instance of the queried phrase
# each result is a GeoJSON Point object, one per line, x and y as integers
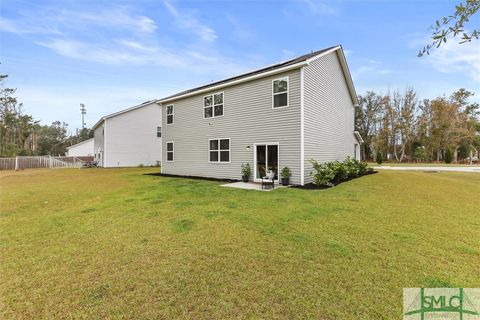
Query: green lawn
{"type": "Point", "coordinates": [405, 164]}
{"type": "Point", "coordinates": [117, 243]}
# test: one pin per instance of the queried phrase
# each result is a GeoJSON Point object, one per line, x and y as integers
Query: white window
{"type": "Point", "coordinates": [219, 150]}
{"type": "Point", "coordinates": [170, 114]}
{"type": "Point", "coordinates": [159, 132]}
{"type": "Point", "coordinates": [213, 105]}
{"type": "Point", "coordinates": [170, 151]}
{"type": "Point", "coordinates": [280, 92]}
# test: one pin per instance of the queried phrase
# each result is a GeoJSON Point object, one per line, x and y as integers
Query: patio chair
{"type": "Point", "coordinates": [268, 180]}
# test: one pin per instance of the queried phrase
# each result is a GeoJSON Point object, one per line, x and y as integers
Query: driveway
{"type": "Point", "coordinates": [433, 168]}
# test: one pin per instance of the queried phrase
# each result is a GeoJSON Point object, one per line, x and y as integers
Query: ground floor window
{"type": "Point", "coordinates": [219, 150]}
{"type": "Point", "coordinates": [170, 151]}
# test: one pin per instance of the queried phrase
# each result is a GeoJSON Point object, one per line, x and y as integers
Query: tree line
{"type": "Point", "coordinates": [22, 135]}
{"type": "Point", "coordinates": [399, 127]}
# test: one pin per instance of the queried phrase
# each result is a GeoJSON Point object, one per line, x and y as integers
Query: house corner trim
{"type": "Point", "coordinates": [302, 127]}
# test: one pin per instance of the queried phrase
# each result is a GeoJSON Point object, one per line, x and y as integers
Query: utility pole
{"type": "Point", "coordinates": [83, 110]}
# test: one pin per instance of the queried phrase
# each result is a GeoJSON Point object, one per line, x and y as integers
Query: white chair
{"type": "Point", "coordinates": [268, 180]}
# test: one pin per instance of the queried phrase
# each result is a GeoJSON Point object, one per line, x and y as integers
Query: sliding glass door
{"type": "Point", "coordinates": [266, 156]}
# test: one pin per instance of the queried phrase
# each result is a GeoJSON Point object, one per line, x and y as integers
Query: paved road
{"type": "Point", "coordinates": [456, 169]}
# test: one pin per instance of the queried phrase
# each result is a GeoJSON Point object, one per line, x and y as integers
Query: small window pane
{"type": "Point", "coordinates": [218, 98]}
{"type": "Point", "coordinates": [224, 144]}
{"type": "Point", "coordinates": [213, 144]}
{"type": "Point", "coordinates": [219, 110]}
{"type": "Point", "coordinates": [159, 132]}
{"type": "Point", "coordinates": [280, 100]}
{"type": "Point", "coordinates": [207, 101]}
{"type": "Point", "coordinates": [169, 146]}
{"type": "Point", "coordinates": [224, 156]}
{"type": "Point", "coordinates": [170, 119]}
{"type": "Point", "coordinates": [280, 86]}
{"type": "Point", "coordinates": [208, 112]}
{"type": "Point", "coordinates": [169, 156]}
{"type": "Point", "coordinates": [169, 109]}
{"type": "Point", "coordinates": [214, 156]}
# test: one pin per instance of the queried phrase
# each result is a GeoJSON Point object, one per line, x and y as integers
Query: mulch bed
{"type": "Point", "coordinates": [311, 186]}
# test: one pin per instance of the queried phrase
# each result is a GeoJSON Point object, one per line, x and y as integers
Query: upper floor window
{"type": "Point", "coordinates": [170, 114]}
{"type": "Point", "coordinates": [159, 132]}
{"type": "Point", "coordinates": [280, 93]}
{"type": "Point", "coordinates": [170, 152]}
{"type": "Point", "coordinates": [213, 105]}
{"type": "Point", "coordinates": [219, 150]}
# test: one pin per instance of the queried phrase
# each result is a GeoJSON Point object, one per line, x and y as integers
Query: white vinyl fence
{"type": "Point", "coordinates": [31, 162]}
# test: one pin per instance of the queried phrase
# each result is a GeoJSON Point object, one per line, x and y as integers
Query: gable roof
{"type": "Point", "coordinates": [77, 144]}
{"type": "Point", "coordinates": [272, 69]}
{"type": "Point", "coordinates": [111, 115]}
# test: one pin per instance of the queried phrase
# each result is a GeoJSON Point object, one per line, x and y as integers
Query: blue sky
{"type": "Point", "coordinates": [112, 55]}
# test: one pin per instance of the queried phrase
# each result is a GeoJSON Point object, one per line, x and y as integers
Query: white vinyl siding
{"type": "Point", "coordinates": [250, 120]}
{"type": "Point", "coordinates": [328, 113]}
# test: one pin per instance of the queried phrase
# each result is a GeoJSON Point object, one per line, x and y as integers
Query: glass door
{"type": "Point", "coordinates": [266, 159]}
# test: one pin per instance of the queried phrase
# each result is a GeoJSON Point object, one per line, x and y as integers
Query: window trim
{"type": "Point", "coordinates": [166, 151]}
{"type": "Point", "coordinates": [173, 114]}
{"type": "Point", "coordinates": [213, 105]}
{"type": "Point", "coordinates": [159, 131]}
{"type": "Point", "coordinates": [218, 151]}
{"type": "Point", "coordinates": [287, 92]}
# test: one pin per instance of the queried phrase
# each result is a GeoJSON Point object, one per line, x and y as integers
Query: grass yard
{"type": "Point", "coordinates": [421, 164]}
{"type": "Point", "coordinates": [119, 243]}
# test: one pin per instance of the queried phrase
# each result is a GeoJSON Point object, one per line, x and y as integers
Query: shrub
{"type": "Point", "coordinates": [326, 173]}
{"type": "Point", "coordinates": [285, 173]}
{"type": "Point", "coordinates": [448, 156]}
{"type": "Point", "coordinates": [323, 175]}
{"type": "Point", "coordinates": [340, 170]}
{"type": "Point", "coordinates": [246, 170]}
{"type": "Point", "coordinates": [379, 158]}
{"type": "Point", "coordinates": [352, 167]}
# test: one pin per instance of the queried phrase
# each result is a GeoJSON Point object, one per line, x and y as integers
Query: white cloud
{"type": "Point", "coordinates": [452, 57]}
{"type": "Point", "coordinates": [319, 7]}
{"type": "Point", "coordinates": [187, 21]}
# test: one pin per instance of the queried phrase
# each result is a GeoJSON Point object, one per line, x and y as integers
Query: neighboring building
{"type": "Point", "coordinates": [277, 116]}
{"type": "Point", "coordinates": [130, 137]}
{"type": "Point", "coordinates": [81, 149]}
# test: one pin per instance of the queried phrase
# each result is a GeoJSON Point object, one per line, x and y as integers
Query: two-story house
{"type": "Point", "coordinates": [274, 117]}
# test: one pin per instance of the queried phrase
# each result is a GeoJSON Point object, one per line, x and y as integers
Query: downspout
{"type": "Point", "coordinates": [302, 128]}
{"type": "Point", "coordinates": [105, 143]}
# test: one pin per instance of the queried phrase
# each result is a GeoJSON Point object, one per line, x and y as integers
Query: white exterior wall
{"type": "Point", "coordinates": [98, 145]}
{"type": "Point", "coordinates": [82, 149]}
{"type": "Point", "coordinates": [131, 138]}
{"type": "Point", "coordinates": [248, 119]}
{"type": "Point", "coordinates": [328, 113]}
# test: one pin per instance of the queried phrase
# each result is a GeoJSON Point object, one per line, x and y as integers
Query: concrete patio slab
{"type": "Point", "coordinates": [250, 186]}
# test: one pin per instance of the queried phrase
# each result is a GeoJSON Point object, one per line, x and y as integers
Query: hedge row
{"type": "Point", "coordinates": [332, 173]}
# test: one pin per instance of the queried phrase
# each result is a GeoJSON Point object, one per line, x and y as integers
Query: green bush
{"type": "Point", "coordinates": [379, 158]}
{"type": "Point", "coordinates": [448, 156]}
{"type": "Point", "coordinates": [323, 175]}
{"type": "Point", "coordinates": [326, 174]}
{"type": "Point", "coordinates": [246, 170]}
{"type": "Point", "coordinates": [285, 173]}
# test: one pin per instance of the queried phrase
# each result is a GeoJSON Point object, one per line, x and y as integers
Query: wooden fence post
{"type": "Point", "coordinates": [50, 162]}
{"type": "Point", "coordinates": [16, 163]}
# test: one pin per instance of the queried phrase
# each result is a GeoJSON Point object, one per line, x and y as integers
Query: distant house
{"type": "Point", "coordinates": [129, 137]}
{"type": "Point", "coordinates": [277, 116]}
{"type": "Point", "coordinates": [81, 149]}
